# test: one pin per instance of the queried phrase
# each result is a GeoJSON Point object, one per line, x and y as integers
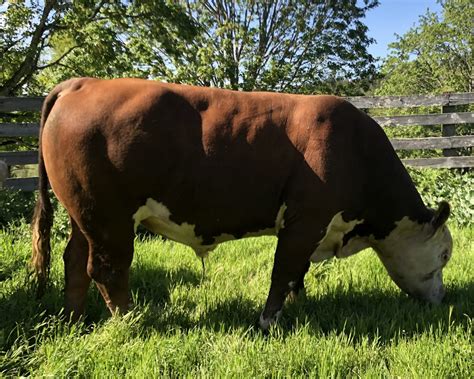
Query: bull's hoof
{"type": "Point", "coordinates": [266, 322]}
{"type": "Point", "coordinates": [264, 332]}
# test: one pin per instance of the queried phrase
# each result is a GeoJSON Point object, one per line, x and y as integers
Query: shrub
{"type": "Point", "coordinates": [454, 186]}
{"type": "Point", "coordinates": [15, 206]}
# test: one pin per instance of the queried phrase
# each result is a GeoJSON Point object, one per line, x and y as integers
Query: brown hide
{"type": "Point", "coordinates": [221, 160]}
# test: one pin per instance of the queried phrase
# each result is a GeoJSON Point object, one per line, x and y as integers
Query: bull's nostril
{"type": "Point", "coordinates": [437, 297]}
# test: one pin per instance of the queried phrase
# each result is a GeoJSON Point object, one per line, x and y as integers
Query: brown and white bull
{"type": "Point", "coordinates": [202, 166]}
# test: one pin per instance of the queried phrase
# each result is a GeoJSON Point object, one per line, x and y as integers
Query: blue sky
{"type": "Point", "coordinates": [394, 16]}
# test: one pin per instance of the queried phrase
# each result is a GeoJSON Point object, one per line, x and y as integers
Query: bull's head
{"type": "Point", "coordinates": [415, 255]}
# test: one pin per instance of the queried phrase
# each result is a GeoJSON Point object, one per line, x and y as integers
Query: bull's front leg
{"type": "Point", "coordinates": [295, 245]}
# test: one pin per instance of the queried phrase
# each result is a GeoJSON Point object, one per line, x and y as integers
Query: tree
{"type": "Point", "coordinates": [301, 46]}
{"type": "Point", "coordinates": [434, 57]}
{"type": "Point", "coordinates": [62, 38]}
{"type": "Point", "coordinates": [282, 45]}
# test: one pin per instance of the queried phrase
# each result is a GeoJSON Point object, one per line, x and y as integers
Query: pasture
{"type": "Point", "coordinates": [352, 321]}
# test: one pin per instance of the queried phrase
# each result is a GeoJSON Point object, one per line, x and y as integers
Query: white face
{"type": "Point", "coordinates": [414, 256]}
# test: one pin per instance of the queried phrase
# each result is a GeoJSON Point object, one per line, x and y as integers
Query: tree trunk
{"type": "Point", "coordinates": [28, 66]}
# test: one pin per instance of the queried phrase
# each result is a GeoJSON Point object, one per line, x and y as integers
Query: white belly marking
{"type": "Point", "coordinates": [158, 220]}
{"type": "Point", "coordinates": [157, 216]}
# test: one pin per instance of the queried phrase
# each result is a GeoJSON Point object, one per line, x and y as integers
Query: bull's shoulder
{"type": "Point", "coordinates": [331, 105]}
{"type": "Point", "coordinates": [326, 111]}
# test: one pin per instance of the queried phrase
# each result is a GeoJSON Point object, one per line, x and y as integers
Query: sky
{"type": "Point", "coordinates": [394, 17]}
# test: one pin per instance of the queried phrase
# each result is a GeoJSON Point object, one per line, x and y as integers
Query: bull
{"type": "Point", "coordinates": [202, 166]}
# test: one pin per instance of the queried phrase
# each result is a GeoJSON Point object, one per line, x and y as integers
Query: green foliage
{"type": "Point", "coordinates": [60, 39]}
{"type": "Point", "coordinates": [61, 227]}
{"type": "Point", "coordinates": [304, 46]}
{"type": "Point", "coordinates": [15, 18]}
{"type": "Point", "coordinates": [454, 186]}
{"type": "Point", "coordinates": [436, 56]}
{"type": "Point", "coordinates": [15, 206]}
{"type": "Point", "coordinates": [353, 321]}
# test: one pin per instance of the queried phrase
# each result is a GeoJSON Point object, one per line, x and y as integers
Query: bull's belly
{"type": "Point", "coordinates": [156, 217]}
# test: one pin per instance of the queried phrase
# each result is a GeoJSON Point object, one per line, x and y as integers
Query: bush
{"type": "Point", "coordinates": [454, 186]}
{"type": "Point", "coordinates": [15, 206]}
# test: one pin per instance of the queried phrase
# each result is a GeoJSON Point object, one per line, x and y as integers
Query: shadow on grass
{"type": "Point", "coordinates": [20, 307]}
{"type": "Point", "coordinates": [382, 315]}
{"type": "Point", "coordinates": [376, 314]}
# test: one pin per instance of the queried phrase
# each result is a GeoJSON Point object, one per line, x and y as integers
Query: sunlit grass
{"type": "Point", "coordinates": [353, 321]}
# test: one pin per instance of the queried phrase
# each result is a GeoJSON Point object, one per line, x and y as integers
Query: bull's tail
{"type": "Point", "coordinates": [43, 215]}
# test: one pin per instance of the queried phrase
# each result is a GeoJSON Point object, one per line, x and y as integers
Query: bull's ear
{"type": "Point", "coordinates": [441, 215]}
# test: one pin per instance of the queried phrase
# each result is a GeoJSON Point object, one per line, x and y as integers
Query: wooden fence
{"type": "Point", "coordinates": [448, 118]}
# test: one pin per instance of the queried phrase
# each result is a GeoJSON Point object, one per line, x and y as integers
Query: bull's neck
{"type": "Point", "coordinates": [401, 200]}
{"type": "Point", "coordinates": [391, 193]}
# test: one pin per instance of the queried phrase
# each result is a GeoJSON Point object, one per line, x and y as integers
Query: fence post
{"type": "Point", "coordinates": [448, 130]}
{"type": "Point", "coordinates": [4, 172]}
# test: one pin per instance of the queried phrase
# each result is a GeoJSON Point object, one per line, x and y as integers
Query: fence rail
{"type": "Point", "coordinates": [12, 158]}
{"type": "Point", "coordinates": [23, 184]}
{"type": "Point", "coordinates": [427, 119]}
{"type": "Point", "coordinates": [21, 104]}
{"type": "Point", "coordinates": [11, 129]}
{"type": "Point", "coordinates": [448, 99]}
{"type": "Point", "coordinates": [432, 143]}
{"type": "Point", "coordinates": [448, 119]}
{"type": "Point", "coordinates": [445, 162]}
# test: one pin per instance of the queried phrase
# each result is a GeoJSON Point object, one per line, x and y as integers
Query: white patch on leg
{"type": "Point", "coordinates": [265, 323]}
{"type": "Point", "coordinates": [280, 221]}
{"type": "Point", "coordinates": [332, 243]}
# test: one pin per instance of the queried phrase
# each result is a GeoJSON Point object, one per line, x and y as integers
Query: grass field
{"type": "Point", "coordinates": [352, 322]}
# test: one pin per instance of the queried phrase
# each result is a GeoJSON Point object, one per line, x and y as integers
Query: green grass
{"type": "Point", "coordinates": [353, 320]}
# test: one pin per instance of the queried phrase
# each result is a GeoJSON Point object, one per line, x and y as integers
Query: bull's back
{"type": "Point", "coordinates": [214, 157]}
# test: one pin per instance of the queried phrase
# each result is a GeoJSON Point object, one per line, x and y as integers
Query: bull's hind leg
{"type": "Point", "coordinates": [75, 268]}
{"type": "Point", "coordinates": [295, 246]}
{"type": "Point", "coordinates": [111, 253]}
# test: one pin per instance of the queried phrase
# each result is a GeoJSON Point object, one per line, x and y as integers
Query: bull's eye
{"type": "Point", "coordinates": [429, 276]}
{"type": "Point", "coordinates": [445, 256]}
